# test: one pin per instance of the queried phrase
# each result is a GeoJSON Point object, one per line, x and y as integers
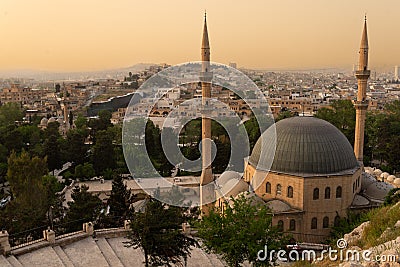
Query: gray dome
{"type": "Point", "coordinates": [305, 146]}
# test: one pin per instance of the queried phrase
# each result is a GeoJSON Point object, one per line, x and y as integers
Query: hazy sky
{"type": "Point", "coordinates": [75, 35]}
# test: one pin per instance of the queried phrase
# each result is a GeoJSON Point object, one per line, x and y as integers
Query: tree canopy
{"type": "Point", "coordinates": [158, 232]}
{"type": "Point", "coordinates": [243, 229]}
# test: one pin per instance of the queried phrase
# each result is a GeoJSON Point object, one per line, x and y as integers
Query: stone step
{"type": "Point", "coordinates": [108, 253]}
{"type": "Point", "coordinates": [42, 257]}
{"type": "Point", "coordinates": [215, 261]}
{"type": "Point", "coordinates": [198, 258]}
{"type": "Point", "coordinates": [14, 262]}
{"type": "Point", "coordinates": [85, 253]}
{"type": "Point", "coordinates": [4, 262]}
{"type": "Point", "coordinates": [63, 257]}
{"type": "Point", "coordinates": [128, 256]}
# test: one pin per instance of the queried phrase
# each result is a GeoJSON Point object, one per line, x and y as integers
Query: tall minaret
{"type": "Point", "coordinates": [361, 105]}
{"type": "Point", "coordinates": [206, 192]}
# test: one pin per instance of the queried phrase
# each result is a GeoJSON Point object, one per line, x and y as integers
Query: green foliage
{"type": "Point", "coordinates": [81, 122]}
{"type": "Point", "coordinates": [9, 113]}
{"type": "Point", "coordinates": [75, 146]}
{"type": "Point", "coordinates": [103, 152]}
{"type": "Point", "coordinates": [84, 171]}
{"type": "Point", "coordinates": [119, 201]}
{"type": "Point", "coordinates": [342, 114]}
{"type": "Point", "coordinates": [346, 225]}
{"type": "Point", "coordinates": [52, 150]}
{"type": "Point", "coordinates": [392, 197]}
{"type": "Point", "coordinates": [381, 226]}
{"type": "Point", "coordinates": [157, 231]}
{"type": "Point", "coordinates": [85, 207]}
{"type": "Point", "coordinates": [283, 115]}
{"type": "Point", "coordinates": [382, 132]}
{"type": "Point", "coordinates": [31, 200]}
{"type": "Point", "coordinates": [240, 232]}
{"type": "Point", "coordinates": [253, 131]}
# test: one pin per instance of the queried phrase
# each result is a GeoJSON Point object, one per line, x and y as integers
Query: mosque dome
{"type": "Point", "coordinates": [305, 146]}
{"type": "Point", "coordinates": [43, 122]}
{"type": "Point", "coordinates": [232, 188]}
{"type": "Point", "coordinates": [277, 205]}
{"type": "Point", "coordinates": [377, 172]}
{"type": "Point", "coordinates": [384, 175]}
{"type": "Point", "coordinates": [391, 178]}
{"type": "Point", "coordinates": [228, 175]}
{"type": "Point", "coordinates": [52, 119]}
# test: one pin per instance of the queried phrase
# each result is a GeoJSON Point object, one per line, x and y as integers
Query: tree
{"type": "Point", "coordinates": [342, 114]}
{"type": "Point", "coordinates": [84, 171]}
{"type": "Point", "coordinates": [103, 152]}
{"type": "Point", "coordinates": [52, 150]}
{"type": "Point", "coordinates": [30, 203]}
{"type": "Point", "coordinates": [253, 131]}
{"type": "Point", "coordinates": [157, 231]}
{"type": "Point", "coordinates": [240, 232]}
{"type": "Point", "coordinates": [81, 122]}
{"type": "Point", "coordinates": [85, 207]}
{"type": "Point", "coordinates": [70, 119]}
{"type": "Point", "coordinates": [76, 150]}
{"type": "Point", "coordinates": [9, 113]}
{"type": "Point", "coordinates": [119, 201]}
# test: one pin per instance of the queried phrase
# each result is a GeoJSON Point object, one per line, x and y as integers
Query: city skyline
{"type": "Point", "coordinates": [91, 36]}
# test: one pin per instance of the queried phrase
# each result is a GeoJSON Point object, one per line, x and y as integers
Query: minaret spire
{"type": "Point", "coordinates": [361, 104]}
{"type": "Point", "coordinates": [206, 179]}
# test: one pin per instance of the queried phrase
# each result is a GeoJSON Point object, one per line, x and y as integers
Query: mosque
{"type": "Point", "coordinates": [304, 169]}
{"type": "Point", "coordinates": [315, 177]}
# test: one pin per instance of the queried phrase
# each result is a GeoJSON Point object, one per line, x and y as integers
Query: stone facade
{"type": "Point", "coordinates": [335, 196]}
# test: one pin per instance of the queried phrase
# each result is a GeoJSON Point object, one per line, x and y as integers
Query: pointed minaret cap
{"type": "Point", "coordinates": [364, 38]}
{"type": "Point", "coordinates": [205, 43]}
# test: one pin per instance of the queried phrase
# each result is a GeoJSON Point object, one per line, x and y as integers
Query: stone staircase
{"type": "Point", "coordinates": [96, 252]}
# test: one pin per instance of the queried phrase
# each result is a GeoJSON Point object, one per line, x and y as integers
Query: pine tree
{"type": "Point", "coordinates": [158, 232]}
{"type": "Point", "coordinates": [119, 201]}
{"type": "Point", "coordinates": [240, 232]}
{"type": "Point", "coordinates": [85, 207]}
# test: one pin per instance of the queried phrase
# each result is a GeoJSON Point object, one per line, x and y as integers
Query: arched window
{"type": "Point", "coordinates": [278, 189]}
{"type": "Point", "coordinates": [290, 192]}
{"type": "Point", "coordinates": [314, 223]}
{"type": "Point", "coordinates": [316, 193]}
{"type": "Point", "coordinates": [327, 193]}
{"type": "Point", "coordinates": [292, 225]}
{"type": "Point", "coordinates": [268, 188]}
{"type": "Point", "coordinates": [325, 223]}
{"type": "Point", "coordinates": [337, 221]}
{"type": "Point", "coordinates": [280, 225]}
{"type": "Point", "coordinates": [353, 186]}
{"type": "Point", "coordinates": [339, 192]}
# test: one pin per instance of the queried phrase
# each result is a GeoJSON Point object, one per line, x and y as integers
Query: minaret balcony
{"type": "Point", "coordinates": [361, 104]}
{"type": "Point", "coordinates": [363, 74]}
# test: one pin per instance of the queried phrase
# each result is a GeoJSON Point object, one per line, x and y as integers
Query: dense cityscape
{"type": "Point", "coordinates": [202, 164]}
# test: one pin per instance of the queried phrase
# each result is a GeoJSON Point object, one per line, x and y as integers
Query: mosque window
{"type": "Point", "coordinates": [339, 192]}
{"type": "Point", "coordinates": [292, 225]}
{"type": "Point", "coordinates": [325, 223]}
{"type": "Point", "coordinates": [280, 225]}
{"type": "Point", "coordinates": [268, 188]}
{"type": "Point", "coordinates": [278, 189]}
{"type": "Point", "coordinates": [290, 192]}
{"type": "Point", "coordinates": [316, 193]}
{"type": "Point", "coordinates": [327, 193]}
{"type": "Point", "coordinates": [314, 223]}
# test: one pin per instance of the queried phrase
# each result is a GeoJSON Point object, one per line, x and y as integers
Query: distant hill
{"type": "Point", "coordinates": [49, 75]}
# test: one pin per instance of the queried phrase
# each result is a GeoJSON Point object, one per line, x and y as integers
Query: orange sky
{"type": "Point", "coordinates": [77, 35]}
